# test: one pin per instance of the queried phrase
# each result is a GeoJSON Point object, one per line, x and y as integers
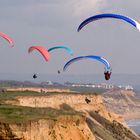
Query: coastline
{"type": "Point", "coordinates": [131, 116]}
{"type": "Point", "coordinates": [132, 120]}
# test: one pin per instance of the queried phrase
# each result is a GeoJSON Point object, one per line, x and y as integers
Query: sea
{"type": "Point", "coordinates": [134, 125]}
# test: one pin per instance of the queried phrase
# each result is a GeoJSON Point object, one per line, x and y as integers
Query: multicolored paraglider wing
{"type": "Point", "coordinates": [42, 50]}
{"type": "Point", "coordinates": [101, 59]}
{"type": "Point", "coordinates": [109, 15]}
{"type": "Point", "coordinates": [7, 38]}
{"type": "Point", "coordinates": [61, 47]}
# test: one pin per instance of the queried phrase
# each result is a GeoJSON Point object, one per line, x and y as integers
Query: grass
{"type": "Point", "coordinates": [15, 114]}
{"type": "Point", "coordinates": [18, 114]}
{"type": "Point", "coordinates": [9, 95]}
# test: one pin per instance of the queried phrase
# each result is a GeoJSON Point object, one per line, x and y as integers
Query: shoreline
{"type": "Point", "coordinates": [131, 116]}
{"type": "Point", "coordinates": [132, 121]}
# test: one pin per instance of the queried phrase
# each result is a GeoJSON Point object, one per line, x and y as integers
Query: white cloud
{"type": "Point", "coordinates": [87, 7]}
{"type": "Point", "coordinates": [67, 9]}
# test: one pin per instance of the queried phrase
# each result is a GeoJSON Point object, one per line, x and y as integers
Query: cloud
{"type": "Point", "coordinates": [90, 7]}
{"type": "Point", "coordinates": [60, 14]}
{"type": "Point", "coordinates": [52, 14]}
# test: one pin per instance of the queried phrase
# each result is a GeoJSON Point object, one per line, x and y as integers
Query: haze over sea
{"type": "Point", "coordinates": [116, 79]}
{"type": "Point", "coordinates": [134, 125]}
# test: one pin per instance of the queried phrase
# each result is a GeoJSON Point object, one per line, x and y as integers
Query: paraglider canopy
{"type": "Point", "coordinates": [107, 73]}
{"type": "Point", "coordinates": [7, 38]}
{"type": "Point", "coordinates": [61, 47]}
{"type": "Point", "coordinates": [44, 52]}
{"type": "Point", "coordinates": [93, 57]}
{"type": "Point", "coordinates": [109, 15]}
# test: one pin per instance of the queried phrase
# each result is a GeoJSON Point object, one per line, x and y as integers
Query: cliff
{"type": "Point", "coordinates": [62, 128]}
{"type": "Point", "coordinates": [61, 116]}
{"type": "Point", "coordinates": [38, 89]}
{"type": "Point", "coordinates": [74, 100]}
{"type": "Point", "coordinates": [123, 102]}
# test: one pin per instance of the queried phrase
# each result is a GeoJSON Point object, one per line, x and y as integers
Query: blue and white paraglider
{"type": "Point", "coordinates": [109, 15]}
{"type": "Point", "coordinates": [107, 72]}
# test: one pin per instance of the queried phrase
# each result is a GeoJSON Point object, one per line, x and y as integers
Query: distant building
{"type": "Point", "coordinates": [102, 85]}
{"type": "Point", "coordinates": [128, 87]}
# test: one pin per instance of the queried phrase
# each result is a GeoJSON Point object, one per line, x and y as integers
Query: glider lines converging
{"type": "Point", "coordinates": [46, 52]}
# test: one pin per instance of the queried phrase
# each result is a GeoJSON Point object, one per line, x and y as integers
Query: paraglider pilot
{"type": "Point", "coordinates": [107, 74]}
{"type": "Point", "coordinates": [34, 76]}
{"type": "Point", "coordinates": [58, 71]}
{"type": "Point", "coordinates": [87, 100]}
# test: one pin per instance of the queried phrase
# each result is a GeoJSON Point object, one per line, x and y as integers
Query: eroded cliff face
{"type": "Point", "coordinates": [67, 127]}
{"type": "Point", "coordinates": [94, 123]}
{"type": "Point", "coordinates": [38, 89]}
{"type": "Point", "coordinates": [62, 128]}
{"type": "Point", "coordinates": [123, 102]}
{"type": "Point", "coordinates": [76, 101]}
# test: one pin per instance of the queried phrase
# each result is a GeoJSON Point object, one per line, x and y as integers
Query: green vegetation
{"type": "Point", "coordinates": [10, 95]}
{"type": "Point", "coordinates": [66, 107]}
{"type": "Point", "coordinates": [21, 115]}
{"type": "Point", "coordinates": [18, 114]}
{"type": "Point", "coordinates": [15, 114]}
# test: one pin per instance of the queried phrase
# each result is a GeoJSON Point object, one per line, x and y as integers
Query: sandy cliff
{"type": "Point", "coordinates": [76, 101]}
{"type": "Point", "coordinates": [38, 89]}
{"type": "Point", "coordinates": [123, 102]}
{"type": "Point", "coordinates": [62, 128]}
{"type": "Point", "coordinates": [94, 122]}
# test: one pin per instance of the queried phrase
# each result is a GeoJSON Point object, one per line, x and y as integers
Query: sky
{"type": "Point", "coordinates": [51, 23]}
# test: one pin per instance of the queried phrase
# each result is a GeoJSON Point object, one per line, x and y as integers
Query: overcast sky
{"type": "Point", "coordinates": [54, 22]}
